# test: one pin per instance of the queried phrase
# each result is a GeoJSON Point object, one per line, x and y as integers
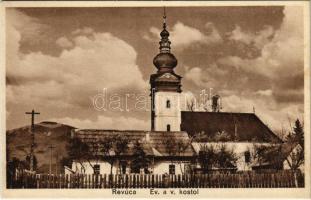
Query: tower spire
{"type": "Point", "coordinates": [165, 61]}
{"type": "Point", "coordinates": [164, 18]}
{"type": "Point", "coordinates": [165, 43]}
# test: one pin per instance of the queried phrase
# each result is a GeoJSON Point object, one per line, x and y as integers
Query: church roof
{"type": "Point", "coordinates": [209, 126]}
{"type": "Point", "coordinates": [154, 143]}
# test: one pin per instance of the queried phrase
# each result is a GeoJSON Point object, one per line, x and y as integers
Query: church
{"type": "Point", "coordinates": [171, 146]}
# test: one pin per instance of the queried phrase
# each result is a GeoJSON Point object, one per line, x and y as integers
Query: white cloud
{"type": "Point", "coordinates": [195, 75]}
{"type": "Point", "coordinates": [83, 31]}
{"type": "Point", "coordinates": [279, 97]}
{"type": "Point", "coordinates": [182, 35]}
{"type": "Point", "coordinates": [268, 111]}
{"type": "Point", "coordinates": [206, 77]}
{"type": "Point", "coordinates": [95, 61]}
{"type": "Point", "coordinates": [64, 42]}
{"type": "Point", "coordinates": [259, 39]}
{"type": "Point", "coordinates": [264, 92]}
{"type": "Point", "coordinates": [283, 55]}
{"type": "Point", "coordinates": [29, 27]}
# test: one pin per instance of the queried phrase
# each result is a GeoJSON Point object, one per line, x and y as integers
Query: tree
{"type": "Point", "coordinates": [78, 151]}
{"type": "Point", "coordinates": [222, 136]}
{"type": "Point", "coordinates": [120, 147]}
{"type": "Point", "coordinates": [219, 158]}
{"type": "Point", "coordinates": [107, 148]}
{"type": "Point", "coordinates": [190, 101]}
{"type": "Point", "coordinates": [177, 148]}
{"type": "Point", "coordinates": [170, 146]}
{"type": "Point", "coordinates": [94, 153]}
{"type": "Point", "coordinates": [191, 104]}
{"type": "Point", "coordinates": [207, 157]}
{"type": "Point", "coordinates": [297, 135]}
{"type": "Point", "coordinates": [181, 147]}
{"type": "Point", "coordinates": [140, 161]}
{"type": "Point", "coordinates": [226, 158]}
{"type": "Point", "coordinates": [268, 156]}
{"type": "Point", "coordinates": [296, 158]}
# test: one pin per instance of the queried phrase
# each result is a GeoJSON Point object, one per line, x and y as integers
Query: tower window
{"type": "Point", "coordinates": [168, 127]}
{"type": "Point", "coordinates": [168, 104]}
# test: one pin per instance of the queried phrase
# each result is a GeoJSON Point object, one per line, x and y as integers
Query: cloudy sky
{"type": "Point", "coordinates": [59, 59]}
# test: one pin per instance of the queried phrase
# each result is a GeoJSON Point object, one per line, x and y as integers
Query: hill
{"type": "Point", "coordinates": [46, 133]}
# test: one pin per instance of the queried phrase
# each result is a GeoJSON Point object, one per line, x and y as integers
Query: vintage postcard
{"type": "Point", "coordinates": [155, 99]}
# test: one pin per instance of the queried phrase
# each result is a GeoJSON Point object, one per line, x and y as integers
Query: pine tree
{"type": "Point", "coordinates": [299, 133]}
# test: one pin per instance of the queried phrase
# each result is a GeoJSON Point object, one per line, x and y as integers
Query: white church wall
{"type": "Point", "coordinates": [239, 148]}
{"type": "Point", "coordinates": [167, 116]}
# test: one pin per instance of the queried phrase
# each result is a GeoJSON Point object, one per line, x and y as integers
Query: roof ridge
{"type": "Point", "coordinates": [219, 112]}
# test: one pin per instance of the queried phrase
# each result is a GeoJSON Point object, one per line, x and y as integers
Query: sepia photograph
{"type": "Point", "coordinates": [170, 100]}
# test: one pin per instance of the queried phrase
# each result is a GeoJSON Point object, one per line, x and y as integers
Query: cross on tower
{"type": "Point", "coordinates": [164, 17]}
{"type": "Point", "coordinates": [32, 113]}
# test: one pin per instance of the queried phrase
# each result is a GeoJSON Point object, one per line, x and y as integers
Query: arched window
{"type": "Point", "coordinates": [168, 104]}
{"type": "Point", "coordinates": [168, 127]}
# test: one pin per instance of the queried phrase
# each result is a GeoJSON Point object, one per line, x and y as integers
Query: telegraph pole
{"type": "Point", "coordinates": [32, 113]}
{"type": "Point", "coordinates": [51, 147]}
{"type": "Point", "coordinates": [56, 167]}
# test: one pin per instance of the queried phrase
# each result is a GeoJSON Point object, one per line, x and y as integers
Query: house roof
{"type": "Point", "coordinates": [154, 143]}
{"type": "Point", "coordinates": [239, 126]}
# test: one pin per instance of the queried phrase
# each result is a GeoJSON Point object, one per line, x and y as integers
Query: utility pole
{"type": "Point", "coordinates": [56, 167]}
{"type": "Point", "coordinates": [32, 113]}
{"type": "Point", "coordinates": [51, 147]}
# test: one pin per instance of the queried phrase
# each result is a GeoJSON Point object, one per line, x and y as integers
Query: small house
{"type": "Point", "coordinates": [143, 152]}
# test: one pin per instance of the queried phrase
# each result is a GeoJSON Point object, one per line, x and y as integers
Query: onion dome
{"type": "Point", "coordinates": [165, 61]}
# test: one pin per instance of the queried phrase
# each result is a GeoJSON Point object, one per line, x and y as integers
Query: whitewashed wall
{"type": "Point", "coordinates": [239, 148]}
{"type": "Point", "coordinates": [104, 167]}
{"type": "Point", "coordinates": [164, 115]}
{"type": "Point", "coordinates": [163, 167]}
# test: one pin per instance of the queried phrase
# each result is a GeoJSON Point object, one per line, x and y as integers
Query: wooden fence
{"type": "Point", "coordinates": [245, 179]}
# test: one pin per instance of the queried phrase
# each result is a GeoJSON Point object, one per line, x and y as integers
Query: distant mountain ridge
{"type": "Point", "coordinates": [46, 133]}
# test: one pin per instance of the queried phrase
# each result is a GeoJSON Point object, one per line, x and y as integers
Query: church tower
{"type": "Point", "coordinates": [165, 88]}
